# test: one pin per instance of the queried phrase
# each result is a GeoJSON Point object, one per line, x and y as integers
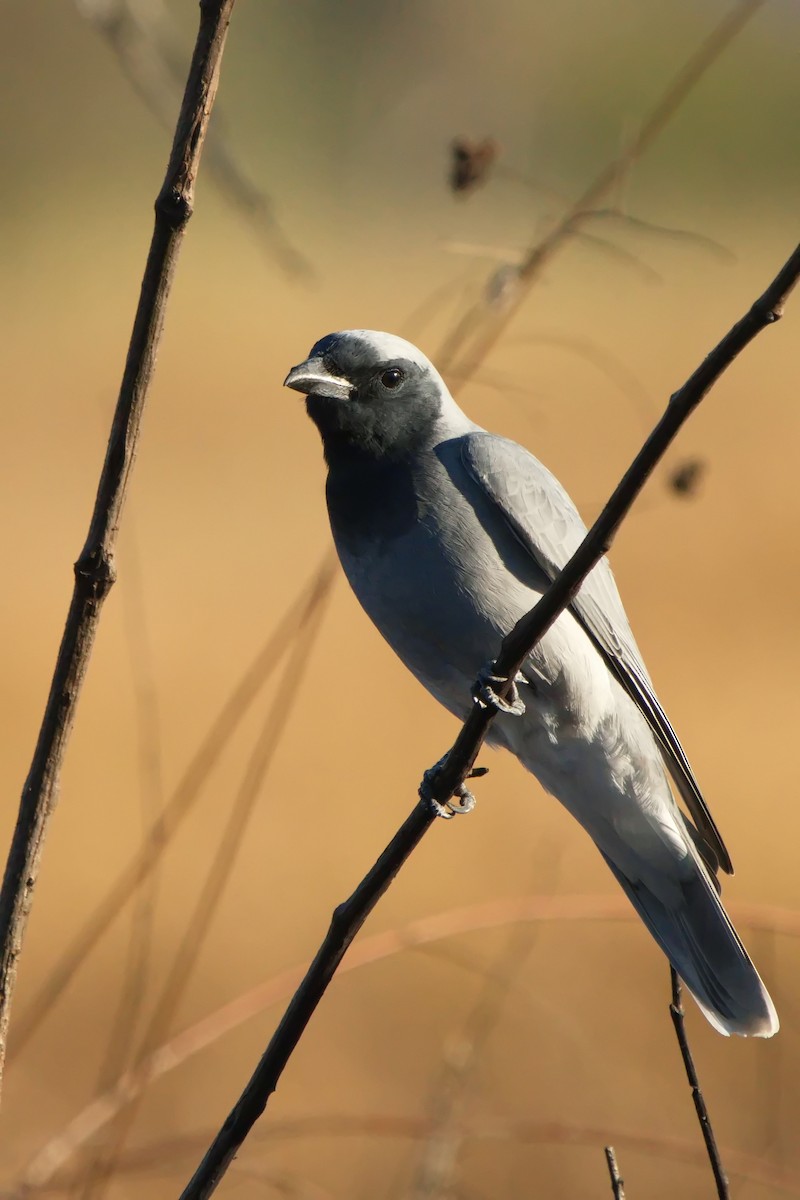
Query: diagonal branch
{"type": "Point", "coordinates": [148, 47]}
{"type": "Point", "coordinates": [481, 326]}
{"type": "Point", "coordinates": [438, 1168]}
{"type": "Point", "coordinates": [425, 934]}
{"type": "Point", "coordinates": [176, 810]}
{"type": "Point", "coordinates": [193, 940]}
{"type": "Point", "coordinates": [94, 570]}
{"type": "Point", "coordinates": [446, 780]}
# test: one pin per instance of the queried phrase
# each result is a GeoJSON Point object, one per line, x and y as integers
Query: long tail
{"type": "Point", "coordinates": [699, 940]}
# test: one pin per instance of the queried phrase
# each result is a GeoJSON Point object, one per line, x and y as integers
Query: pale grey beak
{"type": "Point", "coordinates": [314, 379]}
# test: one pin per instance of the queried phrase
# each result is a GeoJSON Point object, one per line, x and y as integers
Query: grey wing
{"type": "Point", "coordinates": [546, 522]}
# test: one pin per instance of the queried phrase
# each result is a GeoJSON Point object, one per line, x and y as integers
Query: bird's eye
{"type": "Point", "coordinates": [392, 378]}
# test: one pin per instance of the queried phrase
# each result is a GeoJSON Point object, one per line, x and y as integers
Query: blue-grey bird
{"type": "Point", "coordinates": [448, 535]}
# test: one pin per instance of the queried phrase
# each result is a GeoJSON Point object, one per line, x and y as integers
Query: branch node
{"type": "Point", "coordinates": [173, 207]}
{"type": "Point", "coordinates": [95, 572]}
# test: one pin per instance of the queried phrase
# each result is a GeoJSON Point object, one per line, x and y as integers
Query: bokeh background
{"type": "Point", "coordinates": [493, 1052]}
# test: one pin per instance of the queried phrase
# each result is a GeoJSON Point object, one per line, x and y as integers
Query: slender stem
{"type": "Point", "coordinates": [617, 1182]}
{"type": "Point", "coordinates": [94, 570]}
{"type": "Point", "coordinates": [445, 781]}
{"type": "Point", "coordinates": [706, 1128]}
{"type": "Point", "coordinates": [176, 811]}
{"type": "Point", "coordinates": [533, 626]}
{"type": "Point", "coordinates": [185, 955]}
{"type": "Point", "coordinates": [482, 318]}
{"type": "Point", "coordinates": [346, 921]}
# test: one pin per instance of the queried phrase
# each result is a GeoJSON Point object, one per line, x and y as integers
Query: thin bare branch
{"type": "Point", "coordinates": [172, 1151]}
{"type": "Point", "coordinates": [419, 935]}
{"type": "Point", "coordinates": [94, 570]}
{"type": "Point", "coordinates": [479, 328]}
{"type": "Point", "coordinates": [176, 810]}
{"type": "Point", "coordinates": [148, 48]}
{"type": "Point", "coordinates": [766, 310]}
{"type": "Point", "coordinates": [437, 1167]}
{"type": "Point", "coordinates": [446, 780]}
{"type": "Point", "coordinates": [617, 1183]}
{"type": "Point", "coordinates": [185, 957]}
{"type": "Point", "coordinates": [702, 241]}
{"type": "Point", "coordinates": [678, 1020]}
{"type": "Point", "coordinates": [151, 790]}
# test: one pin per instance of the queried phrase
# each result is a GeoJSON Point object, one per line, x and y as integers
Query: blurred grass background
{"type": "Point", "coordinates": [343, 115]}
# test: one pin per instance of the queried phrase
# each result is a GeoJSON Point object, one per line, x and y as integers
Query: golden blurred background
{"type": "Point", "coordinates": [494, 1052]}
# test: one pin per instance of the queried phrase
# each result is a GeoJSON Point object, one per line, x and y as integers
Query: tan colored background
{"type": "Point", "coordinates": [343, 115]}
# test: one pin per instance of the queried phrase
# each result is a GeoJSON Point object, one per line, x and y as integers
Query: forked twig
{"type": "Point", "coordinates": [94, 570]}
{"type": "Point", "coordinates": [446, 780]}
{"type": "Point", "coordinates": [706, 1128]}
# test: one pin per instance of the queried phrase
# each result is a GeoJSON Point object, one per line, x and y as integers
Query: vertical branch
{"type": "Point", "coordinates": [94, 570]}
{"type": "Point", "coordinates": [677, 1014]}
{"type": "Point", "coordinates": [617, 1182]}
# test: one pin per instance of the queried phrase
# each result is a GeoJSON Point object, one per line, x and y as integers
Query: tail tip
{"type": "Point", "coordinates": [763, 1023]}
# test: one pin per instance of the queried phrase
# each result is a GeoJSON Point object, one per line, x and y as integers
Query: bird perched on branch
{"type": "Point", "coordinates": [448, 535]}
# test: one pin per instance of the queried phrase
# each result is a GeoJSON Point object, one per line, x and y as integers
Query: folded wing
{"type": "Point", "coordinates": [545, 521]}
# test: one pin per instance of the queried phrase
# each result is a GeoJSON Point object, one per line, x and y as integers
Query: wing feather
{"type": "Point", "coordinates": [546, 522]}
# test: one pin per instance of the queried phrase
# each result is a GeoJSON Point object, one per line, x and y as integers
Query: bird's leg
{"type": "Point", "coordinates": [462, 801]}
{"type": "Point", "coordinates": [483, 692]}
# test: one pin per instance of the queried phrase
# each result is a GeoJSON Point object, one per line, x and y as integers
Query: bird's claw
{"type": "Point", "coordinates": [483, 692]}
{"type": "Point", "coordinates": [462, 801]}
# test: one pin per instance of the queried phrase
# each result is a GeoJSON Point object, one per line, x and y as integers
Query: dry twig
{"type": "Point", "coordinates": [149, 49]}
{"type": "Point", "coordinates": [94, 570]}
{"type": "Point", "coordinates": [423, 934]}
{"type": "Point", "coordinates": [173, 1151]}
{"type": "Point", "coordinates": [175, 811]}
{"type": "Point", "coordinates": [447, 779]}
{"type": "Point", "coordinates": [133, 983]}
{"type": "Point", "coordinates": [617, 1183]}
{"type": "Point", "coordinates": [482, 325]}
{"type": "Point", "coordinates": [437, 1167]}
{"type": "Point", "coordinates": [186, 954]}
{"type": "Point", "coordinates": [712, 1150]}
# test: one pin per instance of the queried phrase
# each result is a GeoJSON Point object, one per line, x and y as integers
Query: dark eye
{"type": "Point", "coordinates": [392, 378]}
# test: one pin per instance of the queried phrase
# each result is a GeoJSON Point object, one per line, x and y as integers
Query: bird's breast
{"type": "Point", "coordinates": [426, 571]}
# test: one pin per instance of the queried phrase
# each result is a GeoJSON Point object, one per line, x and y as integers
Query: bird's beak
{"type": "Point", "coordinates": [314, 379]}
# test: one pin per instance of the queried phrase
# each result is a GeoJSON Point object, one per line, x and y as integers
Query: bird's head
{"type": "Point", "coordinates": [371, 392]}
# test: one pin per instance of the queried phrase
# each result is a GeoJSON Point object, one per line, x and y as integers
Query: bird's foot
{"type": "Point", "coordinates": [462, 801]}
{"type": "Point", "coordinates": [483, 692]}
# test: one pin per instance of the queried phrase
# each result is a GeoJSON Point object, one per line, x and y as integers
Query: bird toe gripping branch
{"type": "Point", "coordinates": [487, 687]}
